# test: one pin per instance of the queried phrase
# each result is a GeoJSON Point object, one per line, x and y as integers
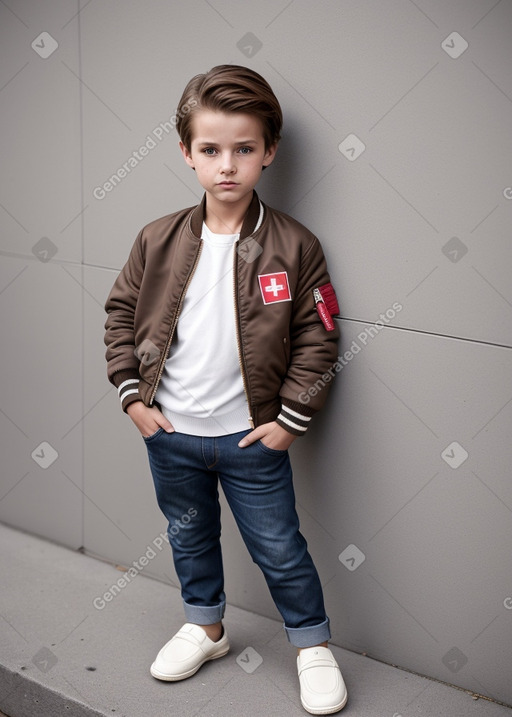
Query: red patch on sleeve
{"type": "Point", "coordinates": [329, 298]}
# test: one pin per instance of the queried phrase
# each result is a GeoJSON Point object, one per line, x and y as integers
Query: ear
{"type": "Point", "coordinates": [186, 155]}
{"type": "Point", "coordinates": [270, 153]}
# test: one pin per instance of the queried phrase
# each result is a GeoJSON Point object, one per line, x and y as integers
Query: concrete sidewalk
{"type": "Point", "coordinates": [61, 655]}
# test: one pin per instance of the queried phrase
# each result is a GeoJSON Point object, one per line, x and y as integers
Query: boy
{"type": "Point", "coordinates": [217, 326]}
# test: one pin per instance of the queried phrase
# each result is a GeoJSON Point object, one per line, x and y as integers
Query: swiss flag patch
{"type": "Point", "coordinates": [274, 287]}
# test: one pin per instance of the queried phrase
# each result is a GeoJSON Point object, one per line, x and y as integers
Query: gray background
{"type": "Point", "coordinates": [421, 217]}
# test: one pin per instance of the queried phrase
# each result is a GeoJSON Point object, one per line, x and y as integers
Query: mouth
{"type": "Point", "coordinates": [227, 184]}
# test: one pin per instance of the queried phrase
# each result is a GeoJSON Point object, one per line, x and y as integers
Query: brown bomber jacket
{"type": "Point", "coordinates": [284, 348]}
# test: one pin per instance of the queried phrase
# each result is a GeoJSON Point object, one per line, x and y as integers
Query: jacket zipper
{"type": "Point", "coordinates": [174, 324]}
{"type": "Point", "coordinates": [238, 342]}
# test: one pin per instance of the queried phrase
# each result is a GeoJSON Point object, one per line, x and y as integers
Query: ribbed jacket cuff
{"type": "Point", "coordinates": [294, 418]}
{"type": "Point", "coordinates": [127, 384]}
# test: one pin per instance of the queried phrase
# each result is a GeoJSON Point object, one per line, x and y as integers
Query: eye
{"type": "Point", "coordinates": [210, 151]}
{"type": "Point", "coordinates": [245, 150]}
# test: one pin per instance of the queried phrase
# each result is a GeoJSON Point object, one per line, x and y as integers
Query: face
{"type": "Point", "coordinates": [228, 153]}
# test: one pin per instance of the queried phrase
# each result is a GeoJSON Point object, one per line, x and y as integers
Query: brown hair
{"type": "Point", "coordinates": [230, 88]}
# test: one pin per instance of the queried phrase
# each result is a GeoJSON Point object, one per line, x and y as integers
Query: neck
{"type": "Point", "coordinates": [224, 217]}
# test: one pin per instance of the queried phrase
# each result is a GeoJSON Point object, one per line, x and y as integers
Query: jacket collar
{"type": "Point", "coordinates": [248, 225]}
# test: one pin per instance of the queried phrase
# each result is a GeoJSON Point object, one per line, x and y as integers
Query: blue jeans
{"type": "Point", "coordinates": [257, 483]}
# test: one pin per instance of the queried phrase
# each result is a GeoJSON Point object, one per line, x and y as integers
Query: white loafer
{"type": "Point", "coordinates": [184, 654]}
{"type": "Point", "coordinates": [322, 690]}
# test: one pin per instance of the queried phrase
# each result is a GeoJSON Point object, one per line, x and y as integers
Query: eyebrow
{"type": "Point", "coordinates": [204, 143]}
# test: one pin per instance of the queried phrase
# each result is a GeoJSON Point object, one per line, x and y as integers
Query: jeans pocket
{"type": "Point", "coordinates": [271, 451]}
{"type": "Point", "coordinates": [153, 435]}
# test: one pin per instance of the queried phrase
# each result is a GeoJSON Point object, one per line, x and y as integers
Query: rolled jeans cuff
{"type": "Point", "coordinates": [201, 615]}
{"type": "Point", "coordinates": [309, 636]}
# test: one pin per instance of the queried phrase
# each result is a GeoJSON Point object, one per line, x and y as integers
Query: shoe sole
{"type": "Point", "coordinates": [324, 710]}
{"type": "Point", "coordinates": [183, 676]}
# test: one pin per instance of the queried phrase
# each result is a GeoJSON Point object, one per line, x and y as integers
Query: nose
{"type": "Point", "coordinates": [227, 165]}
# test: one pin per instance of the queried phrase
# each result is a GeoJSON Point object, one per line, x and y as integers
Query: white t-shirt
{"type": "Point", "coordinates": [201, 391]}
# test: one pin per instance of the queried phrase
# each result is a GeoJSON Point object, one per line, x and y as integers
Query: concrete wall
{"type": "Point", "coordinates": [403, 482]}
